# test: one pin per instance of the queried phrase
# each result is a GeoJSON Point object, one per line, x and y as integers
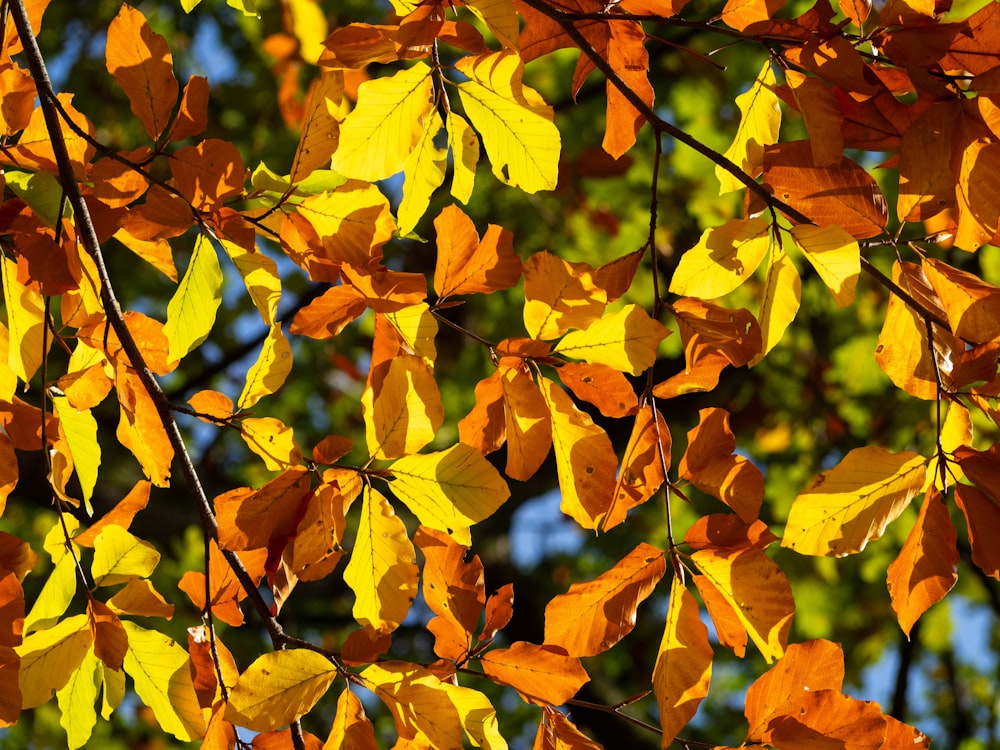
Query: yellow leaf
{"type": "Point", "coordinates": [26, 323]}
{"type": "Point", "coordinates": [722, 260]}
{"type": "Point", "coordinates": [8, 378]}
{"type": "Point", "coordinates": [758, 128]}
{"type": "Point", "coordinates": [55, 597]}
{"type": "Point", "coordinates": [423, 173]}
{"type": "Point", "coordinates": [272, 440]}
{"type": "Point", "coordinates": [191, 311]}
{"type": "Point", "coordinates": [77, 699]}
{"type": "Point", "coordinates": [516, 124]}
{"type": "Point", "coordinates": [464, 145]}
{"type": "Point", "coordinates": [279, 688]}
{"type": "Point", "coordinates": [625, 340]}
{"type": "Point", "coordinates": [835, 255]}
{"type": "Point", "coordinates": [119, 556]}
{"type": "Point", "coordinates": [782, 295]}
{"type": "Point", "coordinates": [501, 18]}
{"type": "Point", "coordinates": [160, 671]}
{"type": "Point", "coordinates": [138, 597]}
{"type": "Point", "coordinates": [260, 275]}
{"type": "Point", "coordinates": [683, 665]}
{"type": "Point", "coordinates": [753, 591]}
{"type": "Point", "coordinates": [418, 327]}
{"type": "Point", "coordinates": [593, 616]}
{"type": "Point", "coordinates": [450, 490]}
{"type": "Point", "coordinates": [80, 429]}
{"type": "Point", "coordinates": [352, 221]}
{"type": "Point", "coordinates": [585, 459]}
{"type": "Point", "coordinates": [351, 729]}
{"type": "Point", "coordinates": [432, 713]}
{"type": "Point", "coordinates": [49, 657]}
{"type": "Point", "coordinates": [310, 28]}
{"type": "Point", "coordinates": [270, 370]}
{"type": "Point", "coordinates": [851, 504]}
{"type": "Point", "coordinates": [559, 295]}
{"type": "Point", "coordinates": [380, 133]}
{"type": "Point", "coordinates": [405, 411]}
{"type": "Point", "coordinates": [381, 572]}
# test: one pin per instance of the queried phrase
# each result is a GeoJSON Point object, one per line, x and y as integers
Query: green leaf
{"type": "Point", "coordinates": [279, 688]}
{"type": "Point", "coordinates": [387, 122]}
{"type": "Point", "coordinates": [516, 124]}
{"type": "Point", "coordinates": [161, 673]}
{"type": "Point", "coordinates": [191, 311]}
{"type": "Point", "coordinates": [450, 490]}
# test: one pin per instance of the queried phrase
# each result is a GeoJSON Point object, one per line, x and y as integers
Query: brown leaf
{"type": "Point", "coordinates": [603, 386]}
{"type": "Point", "coordinates": [251, 519]}
{"type": "Point", "coordinates": [641, 473]}
{"type": "Point", "coordinates": [982, 514]}
{"type": "Point", "coordinates": [110, 641]}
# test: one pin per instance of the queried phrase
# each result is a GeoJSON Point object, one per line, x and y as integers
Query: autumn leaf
{"type": "Point", "coordinates": [556, 732]}
{"type": "Point", "coordinates": [141, 63]}
{"type": "Point", "coordinates": [722, 260]}
{"type": "Point", "coordinates": [404, 411]}
{"type": "Point", "coordinates": [592, 617]}
{"type": "Point", "coordinates": [49, 657]}
{"type": "Point", "coordinates": [540, 674]}
{"type": "Point", "coordinates": [76, 701]}
{"type": "Point", "coordinates": [559, 295]}
{"type": "Point", "coordinates": [80, 429]}
{"type": "Point", "coordinates": [351, 728]}
{"type": "Point", "coordinates": [381, 572]}
{"type": "Point", "coordinates": [927, 567]}
{"type": "Point", "coordinates": [278, 688]}
{"type": "Point", "coordinates": [514, 121]}
{"type": "Point", "coordinates": [835, 255]}
{"type": "Point", "coordinates": [779, 303]}
{"type": "Point", "coordinates": [191, 311]}
{"type": "Point", "coordinates": [430, 712]}
{"type": "Point", "coordinates": [851, 504]}
{"type": "Point", "coordinates": [119, 556]}
{"type": "Point", "coordinates": [983, 517]}
{"type": "Point", "coordinates": [423, 172]}
{"type": "Point", "coordinates": [641, 474]}
{"type": "Point", "coordinates": [451, 490]}
{"type": "Point", "coordinates": [625, 341]}
{"type": "Point", "coordinates": [464, 145]}
{"type": "Point", "coordinates": [466, 264]}
{"type": "Point", "coordinates": [683, 665]}
{"type": "Point", "coordinates": [761, 118]}
{"type": "Point", "coordinates": [383, 129]}
{"type": "Point", "coordinates": [585, 459]}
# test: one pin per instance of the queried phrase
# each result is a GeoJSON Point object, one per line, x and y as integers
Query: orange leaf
{"type": "Point", "coordinates": [559, 295]}
{"type": "Point", "coordinates": [212, 403]}
{"type": "Point", "coordinates": [331, 312]}
{"type": "Point", "coordinates": [351, 729]}
{"type": "Point", "coordinates": [641, 472]}
{"type": "Point", "coordinates": [527, 419]}
{"type": "Point", "coordinates": [110, 641]}
{"type": "Point", "coordinates": [821, 718]}
{"type": "Point", "coordinates": [484, 428]}
{"type": "Point", "coordinates": [11, 612]}
{"type": "Point", "coordinates": [721, 530]}
{"type": "Point", "coordinates": [316, 548]}
{"type": "Point", "coordinates": [843, 194]}
{"type": "Point", "coordinates": [813, 665]}
{"type": "Point", "coordinates": [538, 673]}
{"type": "Point", "coordinates": [385, 290]}
{"type": "Point", "coordinates": [972, 304]}
{"type": "Point", "coordinates": [683, 664]}
{"type": "Point", "coordinates": [592, 617]}
{"type": "Point", "coordinates": [926, 180]}
{"type": "Point", "coordinates": [754, 590]}
{"type": "Point", "coordinates": [454, 591]}
{"type": "Point", "coordinates": [982, 514]}
{"type": "Point", "coordinates": [499, 610]}
{"type": "Point", "coordinates": [208, 173]}
{"type": "Point", "coordinates": [712, 466]}
{"type": "Point", "coordinates": [141, 63]}
{"type": "Point", "coordinates": [192, 115]}
{"type": "Point", "coordinates": [226, 592]}
{"type": "Point", "coordinates": [140, 429]}
{"type": "Point", "coordinates": [466, 265]}
{"type": "Point", "coordinates": [741, 13]}
{"type": "Point", "coordinates": [556, 732]}
{"type": "Point", "coordinates": [978, 182]}
{"type": "Point", "coordinates": [927, 566]}
{"type": "Point", "coordinates": [251, 519]}
{"type": "Point", "coordinates": [320, 132]}
{"type": "Point", "coordinates": [604, 387]}
{"type": "Point", "coordinates": [585, 459]}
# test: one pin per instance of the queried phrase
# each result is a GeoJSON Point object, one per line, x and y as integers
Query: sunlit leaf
{"type": "Point", "coordinates": [835, 255]}
{"type": "Point", "coordinates": [119, 556]}
{"type": "Point", "coordinates": [351, 728]}
{"type": "Point", "coordinates": [722, 260]}
{"type": "Point", "coordinates": [761, 118]}
{"type": "Point", "coordinates": [540, 674]}
{"type": "Point", "coordinates": [191, 311]}
{"type": "Point", "coordinates": [49, 657]}
{"type": "Point", "coordinates": [278, 688]}
{"type": "Point", "coordinates": [851, 504]}
{"type": "Point", "coordinates": [451, 490]}
{"type": "Point", "coordinates": [592, 617]}
{"type": "Point", "coordinates": [76, 701]}
{"type": "Point", "coordinates": [625, 340]}
{"type": "Point", "coordinates": [80, 429]}
{"type": "Point", "coordinates": [404, 411]}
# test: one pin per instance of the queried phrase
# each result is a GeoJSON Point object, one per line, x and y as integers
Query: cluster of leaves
{"type": "Point", "coordinates": [908, 87]}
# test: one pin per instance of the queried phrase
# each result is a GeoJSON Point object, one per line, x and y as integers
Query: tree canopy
{"type": "Point", "coordinates": [500, 373]}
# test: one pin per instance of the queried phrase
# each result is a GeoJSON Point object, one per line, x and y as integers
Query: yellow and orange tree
{"type": "Point", "coordinates": [405, 269]}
